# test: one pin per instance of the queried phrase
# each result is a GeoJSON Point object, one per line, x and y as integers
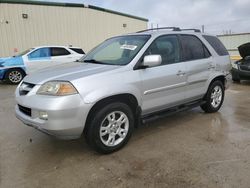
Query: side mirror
{"type": "Point", "coordinates": [151, 60]}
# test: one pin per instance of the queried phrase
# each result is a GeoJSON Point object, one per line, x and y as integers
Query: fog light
{"type": "Point", "coordinates": [43, 115]}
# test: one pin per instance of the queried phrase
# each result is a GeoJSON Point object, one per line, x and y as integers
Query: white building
{"type": "Point", "coordinates": [233, 41]}
{"type": "Point", "coordinates": [25, 24]}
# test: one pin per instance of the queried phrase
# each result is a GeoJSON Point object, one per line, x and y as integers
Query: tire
{"type": "Point", "coordinates": [214, 97]}
{"type": "Point", "coordinates": [106, 133]}
{"type": "Point", "coordinates": [14, 76]}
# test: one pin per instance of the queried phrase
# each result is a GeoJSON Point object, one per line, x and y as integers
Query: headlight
{"type": "Point", "coordinates": [234, 65]}
{"type": "Point", "coordinates": [57, 88]}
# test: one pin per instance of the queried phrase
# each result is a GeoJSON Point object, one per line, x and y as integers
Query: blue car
{"type": "Point", "coordinates": [13, 69]}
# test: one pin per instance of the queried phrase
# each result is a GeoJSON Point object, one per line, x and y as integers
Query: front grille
{"type": "Point", "coordinates": [25, 110]}
{"type": "Point", "coordinates": [245, 67]}
{"type": "Point", "coordinates": [25, 88]}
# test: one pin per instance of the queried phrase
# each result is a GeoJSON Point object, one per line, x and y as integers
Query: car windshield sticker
{"type": "Point", "coordinates": [128, 47]}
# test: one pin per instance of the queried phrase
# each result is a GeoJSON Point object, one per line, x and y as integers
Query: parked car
{"type": "Point", "coordinates": [124, 81]}
{"type": "Point", "coordinates": [13, 69]}
{"type": "Point", "coordinates": [241, 69]}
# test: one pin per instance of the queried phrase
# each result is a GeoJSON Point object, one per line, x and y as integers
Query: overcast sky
{"type": "Point", "coordinates": [218, 16]}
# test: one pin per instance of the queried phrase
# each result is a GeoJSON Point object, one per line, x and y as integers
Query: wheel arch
{"type": "Point", "coordinates": [14, 68]}
{"type": "Point", "coordinates": [126, 98]}
{"type": "Point", "coordinates": [221, 78]}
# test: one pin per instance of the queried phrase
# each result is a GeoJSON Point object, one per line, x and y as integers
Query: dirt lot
{"type": "Point", "coordinates": [189, 149]}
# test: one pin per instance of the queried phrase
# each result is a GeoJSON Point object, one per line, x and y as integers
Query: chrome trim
{"type": "Point", "coordinates": [25, 88]}
{"type": "Point", "coordinates": [196, 82]}
{"type": "Point", "coordinates": [156, 90]}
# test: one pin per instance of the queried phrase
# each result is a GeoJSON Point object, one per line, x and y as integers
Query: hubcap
{"type": "Point", "coordinates": [114, 128]}
{"type": "Point", "coordinates": [216, 96]}
{"type": "Point", "coordinates": [15, 76]}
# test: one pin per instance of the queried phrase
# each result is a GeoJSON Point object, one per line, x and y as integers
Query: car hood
{"type": "Point", "coordinates": [11, 61]}
{"type": "Point", "coordinates": [68, 72]}
{"type": "Point", "coordinates": [3, 59]}
{"type": "Point", "coordinates": [244, 50]}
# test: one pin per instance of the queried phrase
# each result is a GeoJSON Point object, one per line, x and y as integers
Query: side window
{"type": "Point", "coordinates": [59, 52]}
{"type": "Point", "coordinates": [193, 48]}
{"type": "Point", "coordinates": [39, 53]}
{"type": "Point", "coordinates": [217, 45]}
{"type": "Point", "coordinates": [166, 46]}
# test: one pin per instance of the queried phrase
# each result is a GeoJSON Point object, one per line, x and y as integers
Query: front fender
{"type": "Point", "coordinates": [108, 91]}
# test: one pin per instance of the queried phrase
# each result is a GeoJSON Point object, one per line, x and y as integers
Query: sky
{"type": "Point", "coordinates": [218, 16]}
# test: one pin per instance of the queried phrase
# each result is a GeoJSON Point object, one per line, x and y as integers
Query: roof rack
{"type": "Point", "coordinates": [195, 30]}
{"type": "Point", "coordinates": [160, 28]}
{"type": "Point", "coordinates": [173, 29]}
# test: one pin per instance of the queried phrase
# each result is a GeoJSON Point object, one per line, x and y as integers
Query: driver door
{"type": "Point", "coordinates": [165, 85]}
{"type": "Point", "coordinates": [37, 59]}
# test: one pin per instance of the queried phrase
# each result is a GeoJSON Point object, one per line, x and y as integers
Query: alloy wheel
{"type": "Point", "coordinates": [114, 128]}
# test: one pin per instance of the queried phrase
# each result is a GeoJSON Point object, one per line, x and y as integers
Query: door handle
{"type": "Point", "coordinates": [180, 73]}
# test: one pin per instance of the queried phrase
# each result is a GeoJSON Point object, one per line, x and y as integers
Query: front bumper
{"type": "Point", "coordinates": [240, 75]}
{"type": "Point", "coordinates": [2, 73]}
{"type": "Point", "coordinates": [66, 114]}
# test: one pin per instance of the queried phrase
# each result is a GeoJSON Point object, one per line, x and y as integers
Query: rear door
{"type": "Point", "coordinates": [199, 65]}
{"type": "Point", "coordinates": [61, 55]}
{"type": "Point", "coordinates": [163, 86]}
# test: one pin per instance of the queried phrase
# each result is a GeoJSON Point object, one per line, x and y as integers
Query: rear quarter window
{"type": "Point", "coordinates": [78, 50]}
{"type": "Point", "coordinates": [216, 44]}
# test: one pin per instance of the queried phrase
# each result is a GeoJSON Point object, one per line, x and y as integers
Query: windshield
{"type": "Point", "coordinates": [117, 51]}
{"type": "Point", "coordinates": [25, 52]}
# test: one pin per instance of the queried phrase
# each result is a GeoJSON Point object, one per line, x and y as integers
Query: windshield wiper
{"type": "Point", "coordinates": [93, 61]}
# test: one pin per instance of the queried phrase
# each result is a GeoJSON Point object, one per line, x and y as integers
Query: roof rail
{"type": "Point", "coordinates": [195, 30]}
{"type": "Point", "coordinates": [160, 28]}
{"type": "Point", "coordinates": [173, 29]}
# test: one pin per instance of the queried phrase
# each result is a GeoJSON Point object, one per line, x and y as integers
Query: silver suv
{"type": "Point", "coordinates": [123, 82]}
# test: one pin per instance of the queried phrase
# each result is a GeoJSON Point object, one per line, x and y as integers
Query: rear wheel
{"type": "Point", "coordinates": [214, 97]}
{"type": "Point", "coordinates": [110, 128]}
{"type": "Point", "coordinates": [14, 76]}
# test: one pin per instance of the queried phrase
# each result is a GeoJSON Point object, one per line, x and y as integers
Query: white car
{"type": "Point", "coordinates": [13, 69]}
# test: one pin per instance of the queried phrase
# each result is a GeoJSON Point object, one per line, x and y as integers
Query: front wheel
{"type": "Point", "coordinates": [14, 76]}
{"type": "Point", "coordinates": [110, 128]}
{"type": "Point", "coordinates": [214, 97]}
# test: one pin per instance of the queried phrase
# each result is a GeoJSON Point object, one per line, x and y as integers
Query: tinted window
{"type": "Point", "coordinates": [217, 45]}
{"type": "Point", "coordinates": [78, 50]}
{"type": "Point", "coordinates": [167, 47]}
{"type": "Point", "coordinates": [40, 53]}
{"type": "Point", "coordinates": [59, 51]}
{"type": "Point", "coordinates": [193, 48]}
